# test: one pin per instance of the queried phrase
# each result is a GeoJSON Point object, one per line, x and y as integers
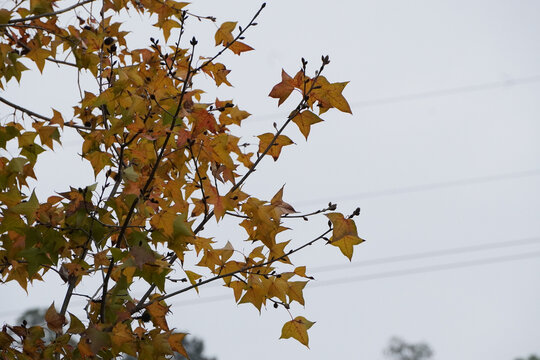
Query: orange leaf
{"type": "Point", "coordinates": [238, 47]}
{"type": "Point", "coordinates": [282, 90]}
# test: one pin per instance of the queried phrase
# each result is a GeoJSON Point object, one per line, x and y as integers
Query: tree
{"type": "Point", "coordinates": [400, 350]}
{"type": "Point", "coordinates": [194, 347]}
{"type": "Point", "coordinates": [167, 164]}
{"type": "Point", "coordinates": [530, 357]}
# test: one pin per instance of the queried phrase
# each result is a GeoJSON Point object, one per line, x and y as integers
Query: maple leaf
{"type": "Point", "coordinates": [54, 320]}
{"type": "Point", "coordinates": [304, 120]}
{"type": "Point", "coordinates": [329, 95]}
{"type": "Point", "coordinates": [282, 90]}
{"type": "Point", "coordinates": [142, 256]}
{"type": "Point", "coordinates": [344, 234]}
{"type": "Point", "coordinates": [280, 206]}
{"type": "Point", "coordinates": [295, 291]}
{"type": "Point", "coordinates": [275, 149]}
{"type": "Point", "coordinates": [193, 277]}
{"type": "Point", "coordinates": [297, 329]}
{"type": "Point", "coordinates": [224, 33]}
{"type": "Point", "coordinates": [175, 341]}
{"type": "Point", "coordinates": [157, 311]}
{"type": "Point", "coordinates": [75, 325]}
{"type": "Point", "coordinates": [99, 160]}
{"type": "Point", "coordinates": [218, 72]}
{"type": "Point", "coordinates": [238, 47]}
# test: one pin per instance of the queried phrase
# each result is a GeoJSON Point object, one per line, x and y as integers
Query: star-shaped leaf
{"type": "Point", "coordinates": [344, 234]}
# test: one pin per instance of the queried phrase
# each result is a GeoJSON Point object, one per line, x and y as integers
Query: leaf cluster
{"type": "Point", "coordinates": [167, 163]}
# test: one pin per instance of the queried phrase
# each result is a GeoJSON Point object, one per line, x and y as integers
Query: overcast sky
{"type": "Point", "coordinates": [442, 152]}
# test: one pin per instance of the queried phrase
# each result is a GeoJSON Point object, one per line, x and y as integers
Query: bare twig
{"type": "Point", "coordinates": [250, 24]}
{"type": "Point", "coordinates": [52, 13]}
{"type": "Point", "coordinates": [34, 114]}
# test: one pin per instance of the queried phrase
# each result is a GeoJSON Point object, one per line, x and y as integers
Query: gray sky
{"type": "Point", "coordinates": [442, 152]}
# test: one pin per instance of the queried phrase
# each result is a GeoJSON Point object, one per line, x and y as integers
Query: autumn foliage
{"type": "Point", "coordinates": [166, 164]}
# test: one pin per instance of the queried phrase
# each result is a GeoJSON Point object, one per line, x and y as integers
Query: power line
{"type": "Point", "coordinates": [431, 94]}
{"type": "Point", "coordinates": [425, 187]}
{"type": "Point", "coordinates": [428, 269]}
{"type": "Point", "coordinates": [449, 91]}
{"type": "Point", "coordinates": [383, 275]}
{"type": "Point", "coordinates": [429, 254]}
{"type": "Point", "coordinates": [385, 260]}
{"type": "Point", "coordinates": [413, 96]}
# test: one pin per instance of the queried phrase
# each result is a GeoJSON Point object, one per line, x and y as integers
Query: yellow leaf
{"type": "Point", "coordinates": [224, 33]}
{"type": "Point", "coordinates": [175, 341]}
{"type": "Point", "coordinates": [193, 277]}
{"type": "Point", "coordinates": [344, 234]}
{"type": "Point", "coordinates": [99, 160]}
{"type": "Point", "coordinates": [297, 329]}
{"type": "Point", "coordinates": [275, 149]}
{"type": "Point", "coordinates": [39, 55]}
{"type": "Point", "coordinates": [304, 120]}
{"type": "Point", "coordinates": [295, 291]}
{"type": "Point", "coordinates": [167, 25]}
{"type": "Point", "coordinates": [218, 72]}
{"type": "Point", "coordinates": [329, 95]}
{"type": "Point", "coordinates": [57, 118]}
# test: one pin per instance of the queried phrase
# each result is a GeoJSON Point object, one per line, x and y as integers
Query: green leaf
{"type": "Point", "coordinates": [76, 326]}
{"type": "Point", "coordinates": [27, 208]}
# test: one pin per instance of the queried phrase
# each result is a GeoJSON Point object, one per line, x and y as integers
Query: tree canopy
{"type": "Point", "coordinates": [167, 161]}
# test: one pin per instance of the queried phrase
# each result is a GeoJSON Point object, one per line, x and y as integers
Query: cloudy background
{"type": "Point", "coordinates": [442, 154]}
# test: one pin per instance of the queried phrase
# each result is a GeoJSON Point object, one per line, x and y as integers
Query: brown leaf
{"type": "Point", "coordinates": [54, 320]}
{"type": "Point", "coordinates": [282, 90]}
{"type": "Point", "coordinates": [141, 256]}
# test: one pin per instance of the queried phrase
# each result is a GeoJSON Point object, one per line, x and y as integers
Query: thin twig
{"type": "Point", "coordinates": [234, 40]}
{"type": "Point", "coordinates": [52, 13]}
{"type": "Point", "coordinates": [34, 114]}
{"type": "Point", "coordinates": [232, 273]}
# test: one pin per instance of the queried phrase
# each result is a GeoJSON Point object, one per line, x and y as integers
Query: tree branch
{"type": "Point", "coordinates": [34, 114]}
{"type": "Point", "coordinates": [242, 31]}
{"type": "Point", "coordinates": [232, 273]}
{"type": "Point", "coordinates": [52, 13]}
{"type": "Point", "coordinates": [147, 184]}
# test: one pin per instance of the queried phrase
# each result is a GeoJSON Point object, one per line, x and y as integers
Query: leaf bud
{"type": "Point", "coordinates": [193, 41]}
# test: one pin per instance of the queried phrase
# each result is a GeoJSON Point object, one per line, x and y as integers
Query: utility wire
{"type": "Point", "coordinates": [424, 187]}
{"type": "Point", "coordinates": [411, 97]}
{"type": "Point", "coordinates": [383, 275]}
{"type": "Point", "coordinates": [392, 259]}
{"type": "Point", "coordinates": [431, 94]}
{"type": "Point", "coordinates": [428, 269]}
{"type": "Point", "coordinates": [429, 254]}
{"type": "Point", "coordinates": [448, 91]}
